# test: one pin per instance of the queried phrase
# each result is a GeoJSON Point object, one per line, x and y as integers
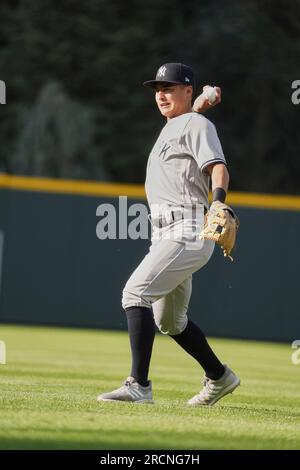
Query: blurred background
{"type": "Point", "coordinates": [76, 107]}
{"type": "Point", "coordinates": [76, 110]}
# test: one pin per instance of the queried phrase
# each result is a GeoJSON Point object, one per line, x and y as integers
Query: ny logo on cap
{"type": "Point", "coordinates": [161, 72]}
{"type": "Point", "coordinates": [186, 79]}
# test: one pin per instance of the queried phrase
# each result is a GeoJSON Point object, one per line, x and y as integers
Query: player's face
{"type": "Point", "coordinates": [173, 100]}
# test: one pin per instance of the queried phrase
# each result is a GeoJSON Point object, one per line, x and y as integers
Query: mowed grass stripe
{"type": "Point", "coordinates": [50, 383]}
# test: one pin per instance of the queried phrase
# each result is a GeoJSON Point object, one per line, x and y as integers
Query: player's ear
{"type": "Point", "coordinates": [189, 91]}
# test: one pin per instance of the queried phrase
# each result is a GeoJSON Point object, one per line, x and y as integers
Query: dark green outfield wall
{"type": "Point", "coordinates": [56, 271]}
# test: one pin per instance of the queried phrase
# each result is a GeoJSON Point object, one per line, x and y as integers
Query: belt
{"type": "Point", "coordinates": [174, 215]}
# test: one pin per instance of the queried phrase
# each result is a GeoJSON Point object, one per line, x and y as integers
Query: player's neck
{"type": "Point", "coordinates": [188, 109]}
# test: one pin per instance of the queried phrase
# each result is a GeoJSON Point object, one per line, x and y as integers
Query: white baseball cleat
{"type": "Point", "coordinates": [131, 391]}
{"type": "Point", "coordinates": [213, 390]}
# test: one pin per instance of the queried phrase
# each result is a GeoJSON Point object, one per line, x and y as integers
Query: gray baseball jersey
{"type": "Point", "coordinates": [176, 167]}
{"type": "Point", "coordinates": [176, 177]}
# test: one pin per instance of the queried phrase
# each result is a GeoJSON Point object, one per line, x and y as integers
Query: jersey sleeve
{"type": "Point", "coordinates": [202, 142]}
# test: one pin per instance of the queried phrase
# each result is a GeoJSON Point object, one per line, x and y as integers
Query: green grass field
{"type": "Point", "coordinates": [52, 377]}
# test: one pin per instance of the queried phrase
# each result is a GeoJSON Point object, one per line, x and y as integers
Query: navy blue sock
{"type": "Point", "coordinates": [141, 329]}
{"type": "Point", "coordinates": [193, 341]}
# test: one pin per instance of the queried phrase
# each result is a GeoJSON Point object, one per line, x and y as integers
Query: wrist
{"type": "Point", "coordinates": [219, 194]}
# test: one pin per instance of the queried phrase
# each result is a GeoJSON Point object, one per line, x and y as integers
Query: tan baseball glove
{"type": "Point", "coordinates": [221, 225]}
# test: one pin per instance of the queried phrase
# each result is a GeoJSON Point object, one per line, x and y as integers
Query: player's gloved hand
{"type": "Point", "coordinates": [202, 103]}
{"type": "Point", "coordinates": [221, 225]}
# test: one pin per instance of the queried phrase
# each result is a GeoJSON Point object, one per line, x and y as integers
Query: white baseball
{"type": "Point", "coordinates": [210, 94]}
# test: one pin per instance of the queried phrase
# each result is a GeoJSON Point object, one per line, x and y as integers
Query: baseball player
{"type": "Point", "coordinates": [185, 158]}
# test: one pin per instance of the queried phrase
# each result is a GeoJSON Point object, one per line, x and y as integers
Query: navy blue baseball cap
{"type": "Point", "coordinates": [174, 73]}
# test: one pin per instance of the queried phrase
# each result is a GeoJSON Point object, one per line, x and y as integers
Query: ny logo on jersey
{"type": "Point", "coordinates": [164, 150]}
{"type": "Point", "coordinates": [161, 72]}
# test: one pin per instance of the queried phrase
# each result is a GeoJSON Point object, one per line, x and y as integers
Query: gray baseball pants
{"type": "Point", "coordinates": [163, 281]}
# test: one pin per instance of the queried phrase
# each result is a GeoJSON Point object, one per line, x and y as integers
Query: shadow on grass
{"type": "Point", "coordinates": [135, 440]}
